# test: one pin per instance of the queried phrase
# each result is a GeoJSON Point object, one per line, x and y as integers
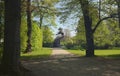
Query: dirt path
{"type": "Point", "coordinates": [63, 63]}
{"type": "Point", "coordinates": [61, 53]}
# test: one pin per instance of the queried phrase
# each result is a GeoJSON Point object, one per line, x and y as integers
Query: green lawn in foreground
{"type": "Point", "coordinates": [43, 53]}
{"type": "Point", "coordinates": [103, 53]}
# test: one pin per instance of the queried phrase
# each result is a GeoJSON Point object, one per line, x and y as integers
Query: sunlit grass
{"type": "Point", "coordinates": [77, 52]}
{"type": "Point", "coordinates": [107, 52]}
{"type": "Point", "coordinates": [102, 53]}
{"type": "Point", "coordinates": [43, 53]}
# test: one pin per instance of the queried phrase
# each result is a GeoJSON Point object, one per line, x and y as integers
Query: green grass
{"type": "Point", "coordinates": [107, 52]}
{"type": "Point", "coordinates": [77, 52]}
{"type": "Point", "coordinates": [43, 53]}
{"type": "Point", "coordinates": [102, 53]}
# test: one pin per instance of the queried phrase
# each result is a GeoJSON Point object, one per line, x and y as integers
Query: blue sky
{"type": "Point", "coordinates": [67, 25]}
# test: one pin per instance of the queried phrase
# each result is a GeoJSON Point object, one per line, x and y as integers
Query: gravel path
{"type": "Point", "coordinates": [61, 53]}
{"type": "Point", "coordinates": [63, 63]}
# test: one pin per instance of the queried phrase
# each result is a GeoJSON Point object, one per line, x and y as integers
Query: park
{"type": "Point", "coordinates": [59, 37]}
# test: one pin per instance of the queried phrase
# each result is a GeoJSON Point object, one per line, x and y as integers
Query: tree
{"type": "Point", "coordinates": [11, 55]}
{"type": "Point", "coordinates": [78, 6]}
{"type": "Point", "coordinates": [45, 11]}
{"type": "Point", "coordinates": [47, 37]}
{"type": "Point", "coordinates": [80, 34]}
{"type": "Point", "coordinates": [29, 26]}
{"type": "Point", "coordinates": [88, 24]}
{"type": "Point", "coordinates": [93, 14]}
{"type": "Point", "coordinates": [118, 6]}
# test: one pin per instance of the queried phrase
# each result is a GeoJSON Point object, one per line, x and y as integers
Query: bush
{"type": "Point", "coordinates": [36, 39]}
{"type": "Point", "coordinates": [48, 44]}
{"type": "Point", "coordinates": [47, 37]}
{"type": "Point", "coordinates": [23, 35]}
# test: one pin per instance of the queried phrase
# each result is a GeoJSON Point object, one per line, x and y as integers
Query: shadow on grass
{"type": "Point", "coordinates": [115, 56]}
{"type": "Point", "coordinates": [44, 53]}
{"type": "Point", "coordinates": [34, 57]}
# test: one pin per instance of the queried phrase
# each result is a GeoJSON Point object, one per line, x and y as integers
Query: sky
{"type": "Point", "coordinates": [67, 25]}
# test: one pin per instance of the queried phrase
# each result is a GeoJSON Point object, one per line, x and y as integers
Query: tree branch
{"type": "Point", "coordinates": [111, 16]}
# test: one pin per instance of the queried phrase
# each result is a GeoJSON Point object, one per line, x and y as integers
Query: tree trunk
{"type": "Point", "coordinates": [41, 18]}
{"type": "Point", "coordinates": [88, 29]}
{"type": "Point", "coordinates": [99, 9]}
{"type": "Point", "coordinates": [29, 25]}
{"type": "Point", "coordinates": [118, 12]}
{"type": "Point", "coordinates": [11, 54]}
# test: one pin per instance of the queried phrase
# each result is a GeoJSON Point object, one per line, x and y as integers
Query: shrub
{"type": "Point", "coordinates": [47, 37]}
{"type": "Point", "coordinates": [36, 39]}
{"type": "Point", "coordinates": [23, 34]}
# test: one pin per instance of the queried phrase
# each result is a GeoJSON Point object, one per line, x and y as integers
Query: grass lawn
{"type": "Point", "coordinates": [43, 53]}
{"type": "Point", "coordinates": [102, 53]}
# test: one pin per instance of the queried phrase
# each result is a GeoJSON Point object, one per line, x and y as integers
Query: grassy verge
{"type": "Point", "coordinates": [101, 53]}
{"type": "Point", "coordinates": [77, 52]}
{"type": "Point", "coordinates": [43, 53]}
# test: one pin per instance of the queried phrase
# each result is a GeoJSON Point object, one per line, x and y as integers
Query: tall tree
{"type": "Point", "coordinates": [99, 9]}
{"type": "Point", "coordinates": [29, 26]}
{"type": "Point", "coordinates": [45, 10]}
{"type": "Point", "coordinates": [93, 14]}
{"type": "Point", "coordinates": [11, 54]}
{"type": "Point", "coordinates": [88, 24]}
{"type": "Point", "coordinates": [78, 6]}
{"type": "Point", "coordinates": [118, 5]}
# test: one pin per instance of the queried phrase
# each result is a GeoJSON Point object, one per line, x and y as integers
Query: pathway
{"type": "Point", "coordinates": [61, 53]}
{"type": "Point", "coordinates": [63, 63]}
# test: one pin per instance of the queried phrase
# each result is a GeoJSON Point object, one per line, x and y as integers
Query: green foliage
{"type": "Point", "coordinates": [36, 39]}
{"type": "Point", "coordinates": [106, 36]}
{"type": "Point", "coordinates": [23, 34]}
{"type": "Point", "coordinates": [102, 38]}
{"type": "Point", "coordinates": [71, 43]}
{"type": "Point", "coordinates": [45, 11]}
{"type": "Point", "coordinates": [80, 39]}
{"type": "Point", "coordinates": [116, 37]}
{"type": "Point", "coordinates": [47, 37]}
{"type": "Point", "coordinates": [68, 43]}
{"type": "Point", "coordinates": [102, 53]}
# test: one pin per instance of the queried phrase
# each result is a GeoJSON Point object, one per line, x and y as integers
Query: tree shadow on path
{"type": "Point", "coordinates": [74, 66]}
